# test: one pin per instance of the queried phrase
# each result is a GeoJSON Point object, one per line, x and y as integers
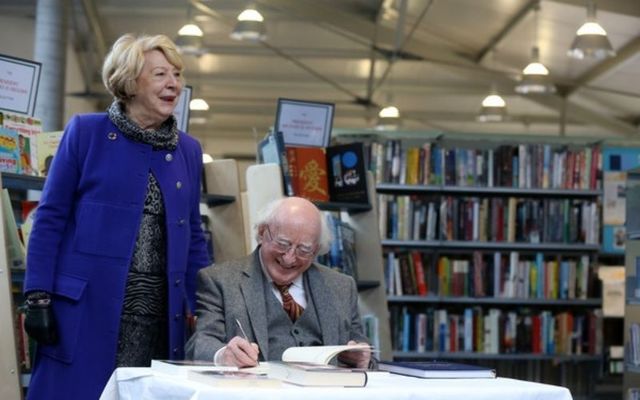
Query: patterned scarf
{"type": "Point", "coordinates": [164, 138]}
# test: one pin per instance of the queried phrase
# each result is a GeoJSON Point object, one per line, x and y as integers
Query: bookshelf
{"type": "Point", "coordinates": [264, 184]}
{"type": "Point", "coordinates": [448, 205]}
{"type": "Point", "coordinates": [631, 376]}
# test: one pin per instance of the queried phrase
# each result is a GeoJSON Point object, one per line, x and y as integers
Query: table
{"type": "Point", "coordinates": [143, 383]}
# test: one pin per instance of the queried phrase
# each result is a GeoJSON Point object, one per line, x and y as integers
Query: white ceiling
{"type": "Point", "coordinates": [450, 53]}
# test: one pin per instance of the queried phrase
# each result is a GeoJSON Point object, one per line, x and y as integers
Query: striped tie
{"type": "Point", "coordinates": [289, 305]}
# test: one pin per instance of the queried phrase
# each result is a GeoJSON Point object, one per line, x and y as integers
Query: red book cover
{"type": "Point", "coordinates": [419, 268]}
{"type": "Point", "coordinates": [536, 348]}
{"type": "Point", "coordinates": [308, 169]}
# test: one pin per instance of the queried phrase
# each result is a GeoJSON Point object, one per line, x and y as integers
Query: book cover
{"type": "Point", "coordinates": [347, 179]}
{"type": "Point", "coordinates": [271, 150]}
{"type": "Point", "coordinates": [312, 374]}
{"type": "Point", "coordinates": [25, 165]}
{"type": "Point", "coordinates": [28, 128]}
{"type": "Point", "coordinates": [181, 367]}
{"type": "Point", "coordinates": [9, 151]}
{"type": "Point", "coordinates": [437, 370]}
{"type": "Point", "coordinates": [46, 146]}
{"type": "Point", "coordinates": [237, 378]}
{"type": "Point", "coordinates": [308, 170]}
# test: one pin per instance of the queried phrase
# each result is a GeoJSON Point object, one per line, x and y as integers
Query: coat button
{"type": "Point", "coordinates": [177, 317]}
{"type": "Point", "coordinates": [178, 282]}
{"type": "Point", "coordinates": [178, 184]}
{"type": "Point", "coordinates": [181, 222]}
{"type": "Point", "coordinates": [112, 135]}
{"type": "Point", "coordinates": [175, 350]}
{"type": "Point", "coordinates": [168, 157]}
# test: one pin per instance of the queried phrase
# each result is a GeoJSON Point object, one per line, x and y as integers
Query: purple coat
{"type": "Point", "coordinates": [82, 241]}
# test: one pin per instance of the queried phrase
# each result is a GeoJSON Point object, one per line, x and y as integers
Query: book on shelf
{"type": "Point", "coordinates": [346, 169]}
{"type": "Point", "coordinates": [9, 151]}
{"type": "Point", "coordinates": [238, 378]}
{"type": "Point", "coordinates": [271, 150]}
{"type": "Point", "coordinates": [437, 370]}
{"type": "Point", "coordinates": [27, 129]}
{"type": "Point", "coordinates": [308, 172]}
{"type": "Point", "coordinates": [314, 374]}
{"type": "Point", "coordinates": [342, 251]}
{"type": "Point", "coordinates": [181, 367]}
{"type": "Point", "coordinates": [46, 146]}
{"type": "Point", "coordinates": [320, 354]}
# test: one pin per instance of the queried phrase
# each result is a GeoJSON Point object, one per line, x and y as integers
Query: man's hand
{"type": "Point", "coordinates": [356, 358]}
{"type": "Point", "coordinates": [240, 353]}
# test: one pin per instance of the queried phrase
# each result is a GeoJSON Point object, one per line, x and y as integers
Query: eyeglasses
{"type": "Point", "coordinates": [284, 246]}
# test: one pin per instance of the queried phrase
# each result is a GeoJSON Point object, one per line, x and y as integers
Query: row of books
{"type": "Point", "coordinates": [335, 173]}
{"type": "Point", "coordinates": [342, 253]}
{"type": "Point", "coordinates": [496, 331]}
{"type": "Point", "coordinates": [510, 219]}
{"type": "Point", "coordinates": [523, 166]}
{"type": "Point", "coordinates": [498, 275]}
{"type": "Point", "coordinates": [24, 148]}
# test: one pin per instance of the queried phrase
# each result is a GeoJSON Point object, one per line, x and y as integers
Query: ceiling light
{"type": "Point", "coordinates": [190, 30]}
{"type": "Point", "coordinates": [389, 118]}
{"type": "Point", "coordinates": [591, 39]}
{"type": "Point", "coordinates": [389, 112]}
{"type": "Point", "coordinates": [535, 77]}
{"type": "Point", "coordinates": [198, 105]}
{"type": "Point", "coordinates": [206, 158]}
{"type": "Point", "coordinates": [189, 40]}
{"type": "Point", "coordinates": [494, 108]}
{"type": "Point", "coordinates": [250, 26]}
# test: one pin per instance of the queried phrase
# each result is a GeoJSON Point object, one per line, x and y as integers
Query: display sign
{"type": "Point", "coordinates": [19, 80]}
{"type": "Point", "coordinates": [304, 123]}
{"type": "Point", "coordinates": [181, 112]}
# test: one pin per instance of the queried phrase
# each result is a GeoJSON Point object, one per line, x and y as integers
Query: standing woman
{"type": "Point", "coordinates": [116, 242]}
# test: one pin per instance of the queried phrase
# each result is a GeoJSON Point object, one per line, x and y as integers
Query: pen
{"type": "Point", "coordinates": [244, 334]}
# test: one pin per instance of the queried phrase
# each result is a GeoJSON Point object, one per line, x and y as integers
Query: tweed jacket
{"type": "Point", "coordinates": [234, 290]}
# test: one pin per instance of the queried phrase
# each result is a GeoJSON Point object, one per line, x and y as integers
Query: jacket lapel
{"type": "Point", "coordinates": [252, 288]}
{"type": "Point", "coordinates": [325, 305]}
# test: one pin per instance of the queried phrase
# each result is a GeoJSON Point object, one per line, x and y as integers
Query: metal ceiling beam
{"type": "Point", "coordinates": [91, 12]}
{"type": "Point", "coordinates": [623, 54]}
{"type": "Point", "coordinates": [575, 111]}
{"type": "Point", "coordinates": [363, 27]}
{"type": "Point", "coordinates": [625, 7]}
{"type": "Point", "coordinates": [508, 27]}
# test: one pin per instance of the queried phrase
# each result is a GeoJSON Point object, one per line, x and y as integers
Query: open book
{"type": "Point", "coordinates": [319, 354]}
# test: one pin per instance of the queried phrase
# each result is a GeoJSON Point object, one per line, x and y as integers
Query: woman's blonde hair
{"type": "Point", "coordinates": [124, 62]}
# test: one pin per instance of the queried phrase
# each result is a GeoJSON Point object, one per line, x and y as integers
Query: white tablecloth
{"type": "Point", "coordinates": [143, 383]}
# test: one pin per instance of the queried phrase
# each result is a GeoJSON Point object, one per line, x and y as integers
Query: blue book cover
{"type": "Point", "coordinates": [437, 369]}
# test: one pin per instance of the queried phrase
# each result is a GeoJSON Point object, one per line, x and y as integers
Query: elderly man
{"type": "Point", "coordinates": [278, 294]}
